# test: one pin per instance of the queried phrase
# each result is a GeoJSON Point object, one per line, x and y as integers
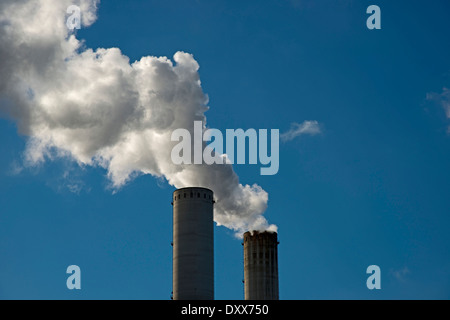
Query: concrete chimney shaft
{"type": "Point", "coordinates": [193, 244]}
{"type": "Point", "coordinates": [261, 265]}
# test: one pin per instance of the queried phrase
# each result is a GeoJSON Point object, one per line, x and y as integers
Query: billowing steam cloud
{"type": "Point", "coordinates": [97, 108]}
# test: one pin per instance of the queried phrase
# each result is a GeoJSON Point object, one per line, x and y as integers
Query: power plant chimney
{"type": "Point", "coordinates": [261, 265]}
{"type": "Point", "coordinates": [193, 244]}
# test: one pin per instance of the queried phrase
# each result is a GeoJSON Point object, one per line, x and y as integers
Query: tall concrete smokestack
{"type": "Point", "coordinates": [193, 244]}
{"type": "Point", "coordinates": [261, 265]}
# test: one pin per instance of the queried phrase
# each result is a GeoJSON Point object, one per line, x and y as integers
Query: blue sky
{"type": "Point", "coordinates": [372, 188]}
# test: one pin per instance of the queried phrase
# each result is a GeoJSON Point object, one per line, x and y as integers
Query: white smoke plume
{"type": "Point", "coordinates": [95, 107]}
{"type": "Point", "coordinates": [306, 128]}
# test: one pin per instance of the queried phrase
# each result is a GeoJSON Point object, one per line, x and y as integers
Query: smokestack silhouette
{"type": "Point", "coordinates": [193, 244]}
{"type": "Point", "coordinates": [261, 265]}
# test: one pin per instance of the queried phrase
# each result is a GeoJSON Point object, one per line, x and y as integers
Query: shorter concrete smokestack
{"type": "Point", "coordinates": [261, 265]}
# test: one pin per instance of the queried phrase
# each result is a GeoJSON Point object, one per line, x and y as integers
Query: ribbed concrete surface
{"type": "Point", "coordinates": [261, 265]}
